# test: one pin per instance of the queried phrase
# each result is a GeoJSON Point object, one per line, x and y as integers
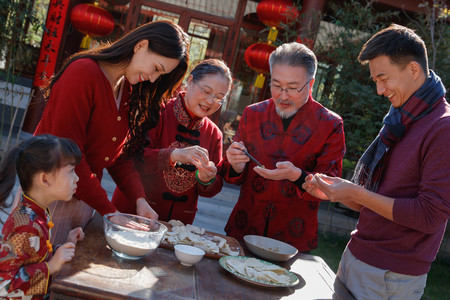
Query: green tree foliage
{"type": "Point", "coordinates": [348, 89]}
{"type": "Point", "coordinates": [433, 27]}
{"type": "Point", "coordinates": [342, 83]}
{"type": "Point", "coordinates": [16, 17]}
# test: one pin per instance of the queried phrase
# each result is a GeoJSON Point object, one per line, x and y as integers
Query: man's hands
{"type": "Point", "coordinates": [284, 170]}
{"type": "Point", "coordinates": [238, 159]}
{"type": "Point", "coordinates": [236, 156]}
{"type": "Point", "coordinates": [334, 189]}
{"type": "Point", "coordinates": [325, 187]}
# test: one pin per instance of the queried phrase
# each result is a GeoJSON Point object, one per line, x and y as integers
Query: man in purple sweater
{"type": "Point", "coordinates": [401, 184]}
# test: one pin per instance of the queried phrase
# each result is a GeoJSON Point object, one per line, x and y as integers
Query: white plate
{"type": "Point", "coordinates": [293, 279]}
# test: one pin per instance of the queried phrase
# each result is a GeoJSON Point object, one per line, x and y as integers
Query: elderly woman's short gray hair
{"type": "Point", "coordinates": [296, 55]}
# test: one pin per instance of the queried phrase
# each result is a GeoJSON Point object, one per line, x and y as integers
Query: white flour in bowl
{"type": "Point", "coordinates": [130, 243]}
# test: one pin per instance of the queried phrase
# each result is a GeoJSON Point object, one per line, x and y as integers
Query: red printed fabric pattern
{"type": "Point", "coordinates": [173, 191]}
{"type": "Point", "coordinates": [313, 142]}
{"type": "Point", "coordinates": [24, 251]}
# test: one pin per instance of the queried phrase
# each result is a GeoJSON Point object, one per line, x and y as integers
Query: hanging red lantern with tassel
{"type": "Point", "coordinates": [274, 12]}
{"type": "Point", "coordinates": [92, 20]}
{"type": "Point", "coordinates": [257, 57]}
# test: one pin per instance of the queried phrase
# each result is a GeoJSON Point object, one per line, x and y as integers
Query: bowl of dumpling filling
{"type": "Point", "coordinates": [132, 237]}
{"type": "Point", "coordinates": [268, 248]}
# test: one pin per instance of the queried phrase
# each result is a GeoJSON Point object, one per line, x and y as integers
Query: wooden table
{"type": "Point", "coordinates": [96, 273]}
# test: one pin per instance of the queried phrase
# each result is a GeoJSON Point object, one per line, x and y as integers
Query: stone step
{"type": "Point", "coordinates": [215, 206]}
{"type": "Point", "coordinates": [210, 223]}
{"type": "Point", "coordinates": [211, 215]}
{"type": "Point", "coordinates": [229, 193]}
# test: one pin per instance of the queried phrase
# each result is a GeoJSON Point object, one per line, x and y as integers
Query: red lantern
{"type": "Point", "coordinates": [91, 20]}
{"type": "Point", "coordinates": [273, 12]}
{"type": "Point", "coordinates": [257, 57]}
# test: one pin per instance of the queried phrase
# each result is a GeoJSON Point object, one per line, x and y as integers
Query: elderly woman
{"type": "Point", "coordinates": [185, 148]}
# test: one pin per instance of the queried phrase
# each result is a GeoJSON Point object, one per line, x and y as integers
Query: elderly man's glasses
{"type": "Point", "coordinates": [210, 95]}
{"type": "Point", "coordinates": [292, 92]}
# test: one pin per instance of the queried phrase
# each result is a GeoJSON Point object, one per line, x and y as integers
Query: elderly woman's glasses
{"type": "Point", "coordinates": [210, 95]}
{"type": "Point", "coordinates": [292, 92]}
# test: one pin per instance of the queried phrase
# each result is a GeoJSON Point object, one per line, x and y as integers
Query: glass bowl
{"type": "Point", "coordinates": [132, 237]}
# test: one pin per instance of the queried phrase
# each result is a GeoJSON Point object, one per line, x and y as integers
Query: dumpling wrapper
{"type": "Point", "coordinates": [258, 270]}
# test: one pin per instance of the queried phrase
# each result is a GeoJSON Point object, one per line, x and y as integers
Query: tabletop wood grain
{"type": "Point", "coordinates": [96, 273]}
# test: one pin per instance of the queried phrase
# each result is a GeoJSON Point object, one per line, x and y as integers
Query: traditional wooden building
{"type": "Point", "coordinates": [217, 29]}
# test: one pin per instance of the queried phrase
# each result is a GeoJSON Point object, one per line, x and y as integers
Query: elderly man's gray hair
{"type": "Point", "coordinates": [296, 55]}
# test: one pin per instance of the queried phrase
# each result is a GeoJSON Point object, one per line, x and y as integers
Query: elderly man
{"type": "Point", "coordinates": [402, 182]}
{"type": "Point", "coordinates": [291, 135]}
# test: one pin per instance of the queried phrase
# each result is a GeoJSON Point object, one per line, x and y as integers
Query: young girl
{"type": "Point", "coordinates": [106, 99]}
{"type": "Point", "coordinates": [45, 166]}
{"type": "Point", "coordinates": [185, 148]}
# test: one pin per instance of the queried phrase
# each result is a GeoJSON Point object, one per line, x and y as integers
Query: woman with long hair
{"type": "Point", "coordinates": [180, 163]}
{"type": "Point", "coordinates": [106, 99]}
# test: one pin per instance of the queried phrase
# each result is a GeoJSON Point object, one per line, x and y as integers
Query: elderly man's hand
{"type": "Point", "coordinates": [284, 170]}
{"type": "Point", "coordinates": [236, 156]}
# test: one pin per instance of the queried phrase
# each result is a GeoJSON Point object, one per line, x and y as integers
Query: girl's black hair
{"type": "Point", "coordinates": [164, 38]}
{"type": "Point", "coordinates": [41, 153]}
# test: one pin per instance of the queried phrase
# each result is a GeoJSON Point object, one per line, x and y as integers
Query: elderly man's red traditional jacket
{"type": "Point", "coordinates": [314, 142]}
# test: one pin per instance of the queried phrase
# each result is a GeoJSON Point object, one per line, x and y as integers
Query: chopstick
{"type": "Point", "coordinates": [248, 154]}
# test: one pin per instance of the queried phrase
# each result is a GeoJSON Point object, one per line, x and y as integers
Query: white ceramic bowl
{"type": "Point", "coordinates": [268, 248]}
{"type": "Point", "coordinates": [131, 236]}
{"type": "Point", "coordinates": [188, 255]}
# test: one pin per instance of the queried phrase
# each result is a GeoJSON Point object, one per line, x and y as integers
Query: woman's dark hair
{"type": "Point", "coordinates": [41, 153]}
{"type": "Point", "coordinates": [164, 38]}
{"type": "Point", "coordinates": [210, 67]}
{"type": "Point", "coordinates": [401, 44]}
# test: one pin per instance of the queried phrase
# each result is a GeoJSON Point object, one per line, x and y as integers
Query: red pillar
{"type": "Point", "coordinates": [48, 56]}
{"type": "Point", "coordinates": [310, 20]}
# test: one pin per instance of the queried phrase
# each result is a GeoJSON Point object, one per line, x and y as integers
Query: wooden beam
{"type": "Point", "coordinates": [133, 15]}
{"type": "Point", "coordinates": [410, 5]}
{"type": "Point", "coordinates": [229, 53]}
{"type": "Point", "coordinates": [192, 12]}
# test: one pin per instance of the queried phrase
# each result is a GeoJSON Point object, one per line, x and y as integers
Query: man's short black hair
{"type": "Point", "coordinates": [401, 44]}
